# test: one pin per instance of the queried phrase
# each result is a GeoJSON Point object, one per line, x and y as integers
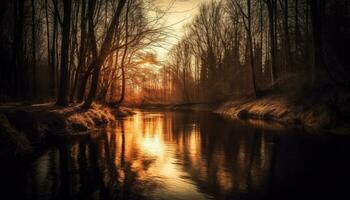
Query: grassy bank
{"type": "Point", "coordinates": [280, 110]}
{"type": "Point", "coordinates": [313, 111]}
{"type": "Point", "coordinates": [24, 128]}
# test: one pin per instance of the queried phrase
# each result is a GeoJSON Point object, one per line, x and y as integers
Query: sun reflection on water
{"type": "Point", "coordinates": [181, 158]}
{"type": "Point", "coordinates": [155, 154]}
{"type": "Point", "coordinates": [167, 155]}
{"type": "Point", "coordinates": [163, 156]}
{"type": "Point", "coordinates": [152, 145]}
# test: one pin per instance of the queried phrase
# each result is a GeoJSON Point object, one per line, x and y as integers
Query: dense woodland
{"type": "Point", "coordinates": [74, 51]}
{"type": "Point", "coordinates": [94, 50]}
{"type": "Point", "coordinates": [243, 48]}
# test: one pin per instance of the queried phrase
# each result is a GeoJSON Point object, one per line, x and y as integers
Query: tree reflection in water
{"type": "Point", "coordinates": [178, 155]}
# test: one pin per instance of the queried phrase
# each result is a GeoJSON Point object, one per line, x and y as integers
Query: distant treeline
{"type": "Point", "coordinates": [246, 48]}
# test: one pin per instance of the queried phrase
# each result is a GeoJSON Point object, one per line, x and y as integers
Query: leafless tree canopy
{"type": "Point", "coordinates": [99, 50]}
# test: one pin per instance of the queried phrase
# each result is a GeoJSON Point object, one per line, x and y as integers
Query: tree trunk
{"type": "Point", "coordinates": [105, 48]}
{"type": "Point", "coordinates": [33, 50]}
{"type": "Point", "coordinates": [285, 10]}
{"type": "Point", "coordinates": [82, 50]}
{"type": "Point", "coordinates": [64, 77]}
{"type": "Point", "coordinates": [122, 64]}
{"type": "Point", "coordinates": [251, 52]}
{"type": "Point", "coordinates": [53, 56]}
{"type": "Point", "coordinates": [271, 13]}
{"type": "Point", "coordinates": [19, 72]}
{"type": "Point", "coordinates": [94, 83]}
{"type": "Point", "coordinates": [296, 34]}
{"type": "Point", "coordinates": [317, 17]}
{"type": "Point", "coordinates": [82, 86]}
{"type": "Point", "coordinates": [49, 64]}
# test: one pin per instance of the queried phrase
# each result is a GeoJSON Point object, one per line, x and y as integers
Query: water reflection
{"type": "Point", "coordinates": [177, 155]}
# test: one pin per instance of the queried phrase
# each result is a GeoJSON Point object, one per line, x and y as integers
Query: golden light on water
{"type": "Point", "coordinates": [153, 145]}
{"type": "Point", "coordinates": [165, 57]}
{"type": "Point", "coordinates": [167, 156]}
{"type": "Point", "coordinates": [145, 146]}
{"type": "Point", "coordinates": [156, 154]}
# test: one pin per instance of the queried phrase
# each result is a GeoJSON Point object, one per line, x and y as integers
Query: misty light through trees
{"type": "Point", "coordinates": [88, 51]}
{"type": "Point", "coordinates": [174, 99]}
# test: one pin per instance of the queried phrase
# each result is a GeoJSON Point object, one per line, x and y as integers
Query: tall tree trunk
{"type": "Point", "coordinates": [271, 13]}
{"type": "Point", "coordinates": [251, 52]}
{"type": "Point", "coordinates": [73, 69]}
{"type": "Point", "coordinates": [53, 56]}
{"type": "Point", "coordinates": [49, 64]}
{"type": "Point", "coordinates": [64, 77]}
{"type": "Point", "coordinates": [19, 73]}
{"type": "Point", "coordinates": [296, 34]}
{"type": "Point", "coordinates": [285, 9]}
{"type": "Point", "coordinates": [82, 49]}
{"type": "Point", "coordinates": [122, 64]}
{"type": "Point", "coordinates": [57, 57]}
{"type": "Point", "coordinates": [317, 16]}
{"type": "Point", "coordinates": [105, 48]}
{"type": "Point", "coordinates": [94, 65]}
{"type": "Point", "coordinates": [33, 50]}
{"type": "Point", "coordinates": [261, 29]}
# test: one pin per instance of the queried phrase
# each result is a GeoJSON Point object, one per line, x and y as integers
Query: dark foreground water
{"type": "Point", "coordinates": [180, 155]}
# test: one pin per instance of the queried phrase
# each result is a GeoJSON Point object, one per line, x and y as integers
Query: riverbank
{"type": "Point", "coordinates": [279, 109]}
{"type": "Point", "coordinates": [314, 114]}
{"type": "Point", "coordinates": [25, 128]}
{"type": "Point", "coordinates": [315, 110]}
{"type": "Point", "coordinates": [180, 107]}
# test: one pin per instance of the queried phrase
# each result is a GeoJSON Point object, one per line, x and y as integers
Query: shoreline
{"type": "Point", "coordinates": [274, 109]}
{"type": "Point", "coordinates": [25, 129]}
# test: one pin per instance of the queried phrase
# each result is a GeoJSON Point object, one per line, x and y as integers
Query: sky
{"type": "Point", "coordinates": [179, 13]}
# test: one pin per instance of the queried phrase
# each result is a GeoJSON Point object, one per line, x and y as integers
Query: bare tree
{"type": "Point", "coordinates": [62, 99]}
{"type": "Point", "coordinates": [247, 20]}
{"type": "Point", "coordinates": [99, 57]}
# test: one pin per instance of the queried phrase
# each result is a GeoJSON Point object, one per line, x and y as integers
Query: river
{"type": "Point", "coordinates": [185, 155]}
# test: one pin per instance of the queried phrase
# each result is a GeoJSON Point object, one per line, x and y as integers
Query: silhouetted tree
{"type": "Point", "coordinates": [62, 98]}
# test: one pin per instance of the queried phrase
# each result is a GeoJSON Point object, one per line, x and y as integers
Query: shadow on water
{"type": "Point", "coordinates": [181, 155]}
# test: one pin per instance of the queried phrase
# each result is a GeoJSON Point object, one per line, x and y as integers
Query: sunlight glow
{"type": "Point", "coordinates": [178, 15]}
{"type": "Point", "coordinates": [152, 145]}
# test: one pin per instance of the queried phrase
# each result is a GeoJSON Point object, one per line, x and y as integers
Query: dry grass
{"type": "Point", "coordinates": [96, 116]}
{"type": "Point", "coordinates": [22, 127]}
{"type": "Point", "coordinates": [279, 109]}
{"type": "Point", "coordinates": [48, 118]}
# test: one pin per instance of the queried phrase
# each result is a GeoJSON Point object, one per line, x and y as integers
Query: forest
{"type": "Point", "coordinates": [86, 51]}
{"type": "Point", "coordinates": [124, 90]}
{"type": "Point", "coordinates": [73, 51]}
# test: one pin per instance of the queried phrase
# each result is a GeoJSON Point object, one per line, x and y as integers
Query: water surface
{"type": "Point", "coordinates": [184, 155]}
